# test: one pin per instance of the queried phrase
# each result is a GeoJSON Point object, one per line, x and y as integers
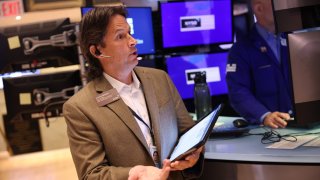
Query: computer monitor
{"type": "Point", "coordinates": [37, 45]}
{"type": "Point", "coordinates": [34, 97]}
{"type": "Point", "coordinates": [140, 21]}
{"type": "Point", "coordinates": [32, 93]}
{"type": "Point", "coordinates": [304, 61]}
{"type": "Point", "coordinates": [16, 74]}
{"type": "Point", "coordinates": [182, 69]}
{"type": "Point", "coordinates": [36, 5]}
{"type": "Point", "coordinates": [195, 23]}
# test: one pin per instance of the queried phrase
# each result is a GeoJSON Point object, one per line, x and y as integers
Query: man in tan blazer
{"type": "Point", "coordinates": [113, 132]}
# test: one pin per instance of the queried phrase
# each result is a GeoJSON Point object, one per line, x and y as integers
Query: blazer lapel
{"type": "Point", "coordinates": [152, 105]}
{"type": "Point", "coordinates": [122, 111]}
{"type": "Point", "coordinates": [262, 45]}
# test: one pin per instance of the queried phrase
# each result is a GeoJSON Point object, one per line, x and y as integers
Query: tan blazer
{"type": "Point", "coordinates": [106, 141]}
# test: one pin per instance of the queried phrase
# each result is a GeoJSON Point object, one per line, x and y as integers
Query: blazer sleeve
{"type": "Point", "coordinates": [183, 117]}
{"type": "Point", "coordinates": [241, 85]}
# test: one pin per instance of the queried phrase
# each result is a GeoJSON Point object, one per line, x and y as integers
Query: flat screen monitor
{"type": "Point", "coordinates": [182, 69]}
{"type": "Point", "coordinates": [304, 61]}
{"type": "Point", "coordinates": [140, 21]}
{"type": "Point", "coordinates": [196, 23]}
{"type": "Point", "coordinates": [36, 5]}
{"type": "Point", "coordinates": [37, 45]}
{"type": "Point", "coordinates": [16, 74]}
{"type": "Point", "coordinates": [31, 94]}
{"type": "Point", "coordinates": [34, 97]}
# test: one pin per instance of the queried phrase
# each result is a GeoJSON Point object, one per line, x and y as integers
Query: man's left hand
{"type": "Point", "coordinates": [188, 162]}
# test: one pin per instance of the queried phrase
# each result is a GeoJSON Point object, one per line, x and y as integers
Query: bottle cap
{"type": "Point", "coordinates": [200, 77]}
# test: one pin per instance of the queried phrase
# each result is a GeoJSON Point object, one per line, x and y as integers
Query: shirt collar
{"type": "Point", "coordinates": [264, 32]}
{"type": "Point", "coordinates": [120, 85]}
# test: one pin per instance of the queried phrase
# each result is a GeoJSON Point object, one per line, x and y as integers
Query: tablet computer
{"type": "Point", "coordinates": [196, 136]}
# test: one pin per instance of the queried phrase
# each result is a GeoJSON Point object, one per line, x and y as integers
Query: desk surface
{"type": "Point", "coordinates": [250, 149]}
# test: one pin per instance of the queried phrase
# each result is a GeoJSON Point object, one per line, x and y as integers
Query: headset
{"type": "Point", "coordinates": [98, 53]}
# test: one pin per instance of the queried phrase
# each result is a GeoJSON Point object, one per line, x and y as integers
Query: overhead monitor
{"type": "Point", "coordinates": [304, 60]}
{"type": "Point", "coordinates": [195, 23]}
{"type": "Point", "coordinates": [31, 93]}
{"type": "Point", "coordinates": [16, 74]}
{"type": "Point", "coordinates": [140, 21]}
{"type": "Point", "coordinates": [36, 5]}
{"type": "Point", "coordinates": [182, 69]}
{"type": "Point", "coordinates": [34, 97]}
{"type": "Point", "coordinates": [37, 45]}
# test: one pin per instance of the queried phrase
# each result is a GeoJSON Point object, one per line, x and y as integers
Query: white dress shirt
{"type": "Point", "coordinates": [133, 96]}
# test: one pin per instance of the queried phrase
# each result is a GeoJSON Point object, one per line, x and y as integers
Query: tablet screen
{"type": "Point", "coordinates": [196, 136]}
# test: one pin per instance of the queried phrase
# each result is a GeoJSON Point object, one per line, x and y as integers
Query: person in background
{"type": "Point", "coordinates": [125, 114]}
{"type": "Point", "coordinates": [258, 72]}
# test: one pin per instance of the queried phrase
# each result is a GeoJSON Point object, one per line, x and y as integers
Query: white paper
{"type": "Point", "coordinates": [313, 143]}
{"type": "Point", "coordinates": [283, 144]}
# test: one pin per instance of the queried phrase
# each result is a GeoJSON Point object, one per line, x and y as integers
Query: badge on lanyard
{"type": "Point", "coordinates": [107, 97]}
{"type": "Point", "coordinates": [155, 155]}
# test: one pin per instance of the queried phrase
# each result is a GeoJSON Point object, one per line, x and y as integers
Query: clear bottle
{"type": "Point", "coordinates": [202, 98]}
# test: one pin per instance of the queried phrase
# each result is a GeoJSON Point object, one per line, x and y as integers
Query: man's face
{"type": "Point", "coordinates": [120, 45]}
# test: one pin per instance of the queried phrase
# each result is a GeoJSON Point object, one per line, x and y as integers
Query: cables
{"type": "Point", "coordinates": [50, 105]}
{"type": "Point", "coordinates": [272, 136]}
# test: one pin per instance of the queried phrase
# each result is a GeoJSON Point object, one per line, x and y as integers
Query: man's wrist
{"type": "Point", "coordinates": [263, 117]}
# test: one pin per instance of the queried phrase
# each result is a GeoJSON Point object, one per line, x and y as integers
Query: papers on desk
{"type": "Point", "coordinates": [313, 143]}
{"type": "Point", "coordinates": [283, 144]}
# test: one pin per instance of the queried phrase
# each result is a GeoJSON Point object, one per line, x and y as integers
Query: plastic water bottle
{"type": "Point", "coordinates": [202, 98]}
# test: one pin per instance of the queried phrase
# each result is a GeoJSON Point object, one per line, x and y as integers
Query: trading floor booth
{"type": "Point", "coordinates": [242, 157]}
{"type": "Point", "coordinates": [246, 157]}
{"type": "Point", "coordinates": [250, 156]}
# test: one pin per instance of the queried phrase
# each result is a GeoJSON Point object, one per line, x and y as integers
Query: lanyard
{"type": "Point", "coordinates": [141, 120]}
{"type": "Point", "coordinates": [153, 148]}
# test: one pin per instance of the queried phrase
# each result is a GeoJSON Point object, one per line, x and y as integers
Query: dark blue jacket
{"type": "Point", "coordinates": [257, 82]}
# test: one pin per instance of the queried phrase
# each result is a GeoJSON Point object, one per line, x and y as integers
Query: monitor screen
{"type": "Point", "coordinates": [194, 23]}
{"type": "Point", "coordinates": [37, 45]}
{"type": "Point", "coordinates": [182, 69]}
{"type": "Point", "coordinates": [140, 21]}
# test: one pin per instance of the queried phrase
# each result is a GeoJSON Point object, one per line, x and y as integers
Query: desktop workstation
{"type": "Point", "coordinates": [242, 156]}
{"type": "Point", "coordinates": [246, 157]}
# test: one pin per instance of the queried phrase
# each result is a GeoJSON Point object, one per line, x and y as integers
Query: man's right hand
{"type": "Point", "coordinates": [150, 172]}
{"type": "Point", "coordinates": [276, 119]}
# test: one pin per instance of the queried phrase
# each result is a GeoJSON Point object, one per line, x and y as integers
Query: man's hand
{"type": "Point", "coordinates": [276, 119]}
{"type": "Point", "coordinates": [188, 161]}
{"type": "Point", "coordinates": [150, 172]}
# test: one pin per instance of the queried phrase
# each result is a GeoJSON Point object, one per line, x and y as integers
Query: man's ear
{"type": "Point", "coordinates": [258, 8]}
{"type": "Point", "coordinates": [94, 51]}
